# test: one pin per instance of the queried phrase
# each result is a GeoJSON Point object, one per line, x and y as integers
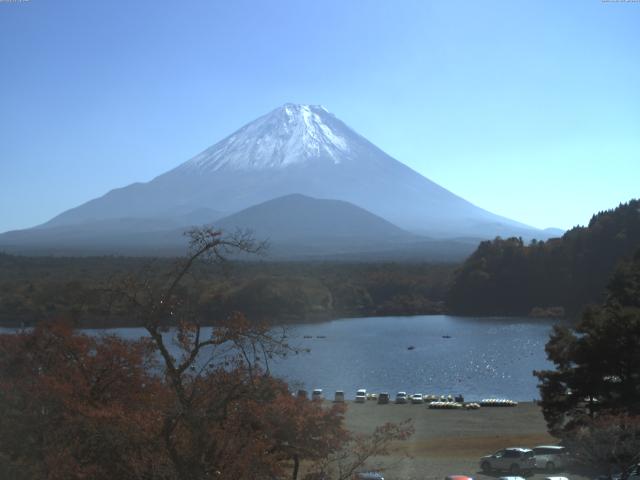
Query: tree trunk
{"type": "Point", "coordinates": [296, 466]}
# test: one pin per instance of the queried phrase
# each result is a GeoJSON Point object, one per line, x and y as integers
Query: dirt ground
{"type": "Point", "coordinates": [448, 442]}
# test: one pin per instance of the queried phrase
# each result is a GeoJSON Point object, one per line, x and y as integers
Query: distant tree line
{"type": "Point", "coordinates": [508, 277]}
{"type": "Point", "coordinates": [32, 288]}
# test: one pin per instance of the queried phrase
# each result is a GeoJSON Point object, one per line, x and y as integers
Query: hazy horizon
{"type": "Point", "coordinates": [530, 111]}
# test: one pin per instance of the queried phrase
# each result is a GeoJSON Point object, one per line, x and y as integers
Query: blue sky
{"type": "Point", "coordinates": [528, 109]}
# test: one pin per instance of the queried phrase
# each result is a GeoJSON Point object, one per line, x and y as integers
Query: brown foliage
{"type": "Point", "coordinates": [74, 406]}
{"type": "Point", "coordinates": [81, 406]}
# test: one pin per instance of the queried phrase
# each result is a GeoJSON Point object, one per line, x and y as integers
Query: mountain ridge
{"type": "Point", "coordinates": [297, 215]}
{"type": "Point", "coordinates": [297, 149]}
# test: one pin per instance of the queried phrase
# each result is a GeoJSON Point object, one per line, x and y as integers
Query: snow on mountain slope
{"type": "Point", "coordinates": [293, 134]}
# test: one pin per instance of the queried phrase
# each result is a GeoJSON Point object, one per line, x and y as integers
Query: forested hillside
{"type": "Point", "coordinates": [507, 277]}
{"type": "Point", "coordinates": [36, 288]}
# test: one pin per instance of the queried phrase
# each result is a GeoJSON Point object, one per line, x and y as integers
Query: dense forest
{"type": "Point", "coordinates": [557, 277]}
{"type": "Point", "coordinates": [33, 288]}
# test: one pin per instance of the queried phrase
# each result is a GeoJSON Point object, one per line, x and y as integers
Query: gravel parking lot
{"type": "Point", "coordinates": [448, 442]}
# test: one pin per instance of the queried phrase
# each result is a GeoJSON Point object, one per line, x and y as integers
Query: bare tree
{"type": "Point", "coordinates": [358, 450]}
{"type": "Point", "coordinates": [214, 374]}
{"type": "Point", "coordinates": [608, 444]}
{"type": "Point", "coordinates": [233, 343]}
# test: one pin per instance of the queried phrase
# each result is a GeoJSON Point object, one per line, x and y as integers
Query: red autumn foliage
{"type": "Point", "coordinates": [74, 406]}
{"type": "Point", "coordinates": [79, 406]}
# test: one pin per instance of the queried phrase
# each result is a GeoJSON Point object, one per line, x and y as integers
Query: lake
{"type": "Point", "coordinates": [484, 357]}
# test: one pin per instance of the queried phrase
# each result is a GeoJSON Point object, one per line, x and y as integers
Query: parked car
{"type": "Point", "coordinates": [416, 398]}
{"type": "Point", "coordinates": [368, 476]}
{"type": "Point", "coordinates": [339, 397]}
{"type": "Point", "coordinates": [512, 460]}
{"type": "Point", "coordinates": [302, 394]}
{"type": "Point", "coordinates": [316, 394]}
{"type": "Point", "coordinates": [401, 397]}
{"type": "Point", "coordinates": [551, 457]}
{"type": "Point", "coordinates": [383, 398]}
{"type": "Point", "coordinates": [361, 395]}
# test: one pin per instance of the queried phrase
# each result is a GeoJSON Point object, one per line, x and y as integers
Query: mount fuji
{"type": "Point", "coordinates": [295, 149]}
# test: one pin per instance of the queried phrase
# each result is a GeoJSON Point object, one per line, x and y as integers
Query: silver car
{"type": "Point", "coordinates": [551, 457]}
{"type": "Point", "coordinates": [512, 460]}
{"type": "Point", "coordinates": [401, 397]}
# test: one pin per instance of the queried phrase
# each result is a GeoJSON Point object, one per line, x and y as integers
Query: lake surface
{"type": "Point", "coordinates": [485, 357]}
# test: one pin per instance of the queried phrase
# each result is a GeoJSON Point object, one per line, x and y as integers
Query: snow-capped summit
{"type": "Point", "coordinates": [290, 134]}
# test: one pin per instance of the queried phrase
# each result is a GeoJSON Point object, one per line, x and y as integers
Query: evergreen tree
{"type": "Point", "coordinates": [507, 277]}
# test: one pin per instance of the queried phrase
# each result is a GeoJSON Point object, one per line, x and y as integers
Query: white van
{"type": "Point", "coordinates": [361, 395]}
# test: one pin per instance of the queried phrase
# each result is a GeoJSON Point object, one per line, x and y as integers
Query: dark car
{"type": "Point", "coordinates": [383, 398]}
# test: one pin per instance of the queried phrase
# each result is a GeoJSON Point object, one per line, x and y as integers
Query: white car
{"type": "Point", "coordinates": [316, 394]}
{"type": "Point", "coordinates": [551, 457]}
{"type": "Point", "coordinates": [361, 395]}
{"type": "Point", "coordinates": [401, 397]}
{"type": "Point", "coordinates": [416, 398]}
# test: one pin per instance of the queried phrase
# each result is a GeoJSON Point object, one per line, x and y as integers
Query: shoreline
{"type": "Point", "coordinates": [105, 323]}
{"type": "Point", "coordinates": [447, 442]}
